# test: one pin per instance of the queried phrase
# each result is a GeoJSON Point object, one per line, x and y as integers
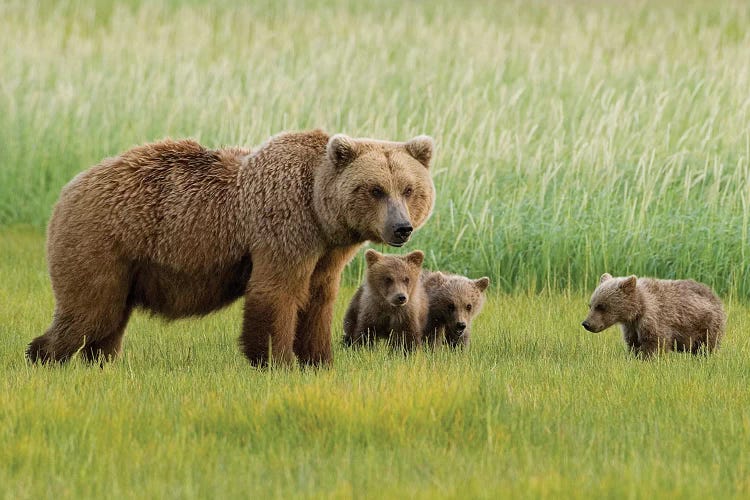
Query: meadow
{"type": "Point", "coordinates": [573, 138]}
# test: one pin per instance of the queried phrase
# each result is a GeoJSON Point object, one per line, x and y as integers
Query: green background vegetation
{"type": "Point", "coordinates": [574, 138]}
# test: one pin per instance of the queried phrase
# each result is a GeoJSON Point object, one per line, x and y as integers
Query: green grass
{"type": "Point", "coordinates": [536, 408]}
{"type": "Point", "coordinates": [573, 137]}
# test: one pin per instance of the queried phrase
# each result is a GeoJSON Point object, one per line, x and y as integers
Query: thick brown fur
{"type": "Point", "coordinates": [658, 315]}
{"type": "Point", "coordinates": [454, 303]}
{"type": "Point", "coordinates": [181, 230]}
{"type": "Point", "coordinates": [391, 304]}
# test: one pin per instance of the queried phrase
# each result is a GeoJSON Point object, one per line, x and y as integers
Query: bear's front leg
{"type": "Point", "coordinates": [312, 342]}
{"type": "Point", "coordinates": [630, 336]}
{"type": "Point", "coordinates": [651, 345]}
{"type": "Point", "coordinates": [433, 333]}
{"type": "Point", "coordinates": [274, 296]}
{"type": "Point", "coordinates": [407, 336]}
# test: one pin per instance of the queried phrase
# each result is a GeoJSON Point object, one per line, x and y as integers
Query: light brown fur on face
{"type": "Point", "coordinates": [376, 179]}
{"type": "Point", "coordinates": [454, 303]}
{"type": "Point", "coordinates": [658, 315]}
{"type": "Point", "coordinates": [181, 230]}
{"type": "Point", "coordinates": [391, 304]}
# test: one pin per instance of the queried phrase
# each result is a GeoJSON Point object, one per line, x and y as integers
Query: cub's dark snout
{"type": "Point", "coordinates": [587, 326]}
{"type": "Point", "coordinates": [401, 298]}
{"type": "Point", "coordinates": [460, 326]}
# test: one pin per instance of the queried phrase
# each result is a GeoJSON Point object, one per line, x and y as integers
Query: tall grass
{"type": "Point", "coordinates": [574, 137]}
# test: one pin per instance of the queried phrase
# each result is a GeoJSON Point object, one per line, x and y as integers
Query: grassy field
{"type": "Point", "coordinates": [537, 407]}
{"type": "Point", "coordinates": [574, 137]}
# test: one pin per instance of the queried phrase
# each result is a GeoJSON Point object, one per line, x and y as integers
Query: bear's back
{"type": "Point", "coordinates": [681, 301]}
{"type": "Point", "coordinates": [154, 201]}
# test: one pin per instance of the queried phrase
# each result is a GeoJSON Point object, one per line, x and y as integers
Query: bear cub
{"type": "Point", "coordinates": [391, 304]}
{"type": "Point", "coordinates": [658, 315]}
{"type": "Point", "coordinates": [454, 302]}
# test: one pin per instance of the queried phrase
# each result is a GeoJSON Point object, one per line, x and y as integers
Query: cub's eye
{"type": "Point", "coordinates": [406, 280]}
{"type": "Point", "coordinates": [451, 307]}
{"type": "Point", "coordinates": [407, 192]}
{"type": "Point", "coordinates": [468, 307]}
{"type": "Point", "coordinates": [389, 281]}
{"type": "Point", "coordinates": [377, 192]}
{"type": "Point", "coordinates": [600, 308]}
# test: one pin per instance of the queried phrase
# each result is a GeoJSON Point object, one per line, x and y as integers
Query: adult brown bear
{"type": "Point", "coordinates": [182, 230]}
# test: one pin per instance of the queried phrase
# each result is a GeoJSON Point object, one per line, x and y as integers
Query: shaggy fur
{"type": "Point", "coordinates": [181, 230]}
{"type": "Point", "coordinates": [454, 303]}
{"type": "Point", "coordinates": [391, 304]}
{"type": "Point", "coordinates": [658, 315]}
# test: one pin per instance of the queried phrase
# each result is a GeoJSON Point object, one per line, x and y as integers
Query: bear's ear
{"type": "Point", "coordinates": [372, 256]}
{"type": "Point", "coordinates": [605, 277]}
{"type": "Point", "coordinates": [342, 150]}
{"type": "Point", "coordinates": [435, 279]}
{"type": "Point", "coordinates": [628, 284]}
{"type": "Point", "coordinates": [415, 258]}
{"type": "Point", "coordinates": [420, 148]}
{"type": "Point", "coordinates": [482, 283]}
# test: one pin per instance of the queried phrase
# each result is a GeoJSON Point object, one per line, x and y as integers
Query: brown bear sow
{"type": "Point", "coordinates": [182, 230]}
{"type": "Point", "coordinates": [658, 314]}
{"type": "Point", "coordinates": [391, 304]}
{"type": "Point", "coordinates": [454, 302]}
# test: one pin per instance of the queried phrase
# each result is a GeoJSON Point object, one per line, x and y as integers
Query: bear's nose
{"type": "Point", "coordinates": [586, 325]}
{"type": "Point", "coordinates": [401, 298]}
{"type": "Point", "coordinates": [460, 326]}
{"type": "Point", "coordinates": [403, 231]}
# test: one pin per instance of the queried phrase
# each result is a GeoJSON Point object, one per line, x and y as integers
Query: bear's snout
{"type": "Point", "coordinates": [587, 326]}
{"type": "Point", "coordinates": [399, 234]}
{"type": "Point", "coordinates": [460, 326]}
{"type": "Point", "coordinates": [399, 299]}
{"type": "Point", "coordinates": [403, 231]}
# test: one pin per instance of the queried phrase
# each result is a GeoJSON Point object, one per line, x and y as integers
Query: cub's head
{"type": "Point", "coordinates": [394, 277]}
{"type": "Point", "coordinates": [455, 301]}
{"type": "Point", "coordinates": [376, 190]}
{"type": "Point", "coordinates": [613, 301]}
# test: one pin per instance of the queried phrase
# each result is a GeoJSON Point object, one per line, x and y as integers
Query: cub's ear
{"type": "Point", "coordinates": [605, 277]}
{"type": "Point", "coordinates": [420, 148]}
{"type": "Point", "coordinates": [372, 256]}
{"type": "Point", "coordinates": [415, 258]}
{"type": "Point", "coordinates": [342, 150]}
{"type": "Point", "coordinates": [482, 283]}
{"type": "Point", "coordinates": [435, 279]}
{"type": "Point", "coordinates": [628, 284]}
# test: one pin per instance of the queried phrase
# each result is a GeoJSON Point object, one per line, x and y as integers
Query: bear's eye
{"type": "Point", "coordinates": [377, 192]}
{"type": "Point", "coordinates": [407, 192]}
{"type": "Point", "coordinates": [451, 307]}
{"type": "Point", "coordinates": [600, 308]}
{"type": "Point", "coordinates": [468, 307]}
{"type": "Point", "coordinates": [406, 280]}
{"type": "Point", "coordinates": [389, 281]}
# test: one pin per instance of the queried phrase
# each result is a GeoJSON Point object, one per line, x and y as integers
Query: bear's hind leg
{"type": "Point", "coordinates": [91, 307]}
{"type": "Point", "coordinates": [107, 348]}
{"type": "Point", "coordinates": [37, 350]}
{"type": "Point", "coordinates": [58, 343]}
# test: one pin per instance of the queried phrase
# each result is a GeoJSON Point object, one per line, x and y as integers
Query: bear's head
{"type": "Point", "coordinates": [375, 190]}
{"type": "Point", "coordinates": [394, 277]}
{"type": "Point", "coordinates": [455, 301]}
{"type": "Point", "coordinates": [614, 301]}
